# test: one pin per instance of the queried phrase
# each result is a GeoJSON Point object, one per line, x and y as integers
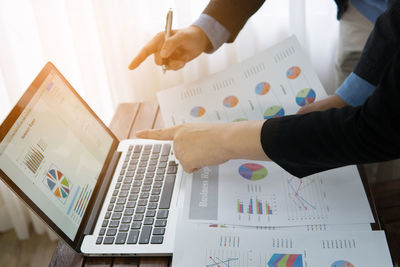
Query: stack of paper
{"type": "Point", "coordinates": [253, 213]}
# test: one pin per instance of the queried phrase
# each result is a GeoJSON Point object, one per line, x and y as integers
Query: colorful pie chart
{"type": "Point", "coordinates": [239, 119]}
{"type": "Point", "coordinates": [230, 101]}
{"type": "Point", "coordinates": [262, 88]}
{"type": "Point", "coordinates": [342, 263]}
{"type": "Point", "coordinates": [197, 112]}
{"type": "Point", "coordinates": [58, 184]}
{"type": "Point", "coordinates": [274, 112]}
{"type": "Point", "coordinates": [293, 72]}
{"type": "Point", "coordinates": [305, 97]}
{"type": "Point", "coordinates": [253, 171]}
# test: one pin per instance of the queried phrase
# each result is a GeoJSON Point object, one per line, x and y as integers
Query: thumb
{"type": "Point", "coordinates": [171, 44]}
{"type": "Point", "coordinates": [158, 134]}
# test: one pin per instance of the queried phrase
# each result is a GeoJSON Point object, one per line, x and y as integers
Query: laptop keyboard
{"type": "Point", "coordinates": [139, 206]}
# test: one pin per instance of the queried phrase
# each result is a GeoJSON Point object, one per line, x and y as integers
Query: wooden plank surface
{"type": "Point", "coordinates": [98, 261]}
{"type": "Point", "coordinates": [66, 256]}
{"type": "Point", "coordinates": [155, 261]}
{"type": "Point", "coordinates": [377, 225]}
{"type": "Point", "coordinates": [145, 118]}
{"type": "Point", "coordinates": [158, 123]}
{"type": "Point", "coordinates": [124, 119]}
{"type": "Point", "coordinates": [127, 261]}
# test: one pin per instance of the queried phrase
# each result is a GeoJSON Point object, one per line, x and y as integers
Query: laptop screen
{"type": "Point", "coordinates": [54, 152]}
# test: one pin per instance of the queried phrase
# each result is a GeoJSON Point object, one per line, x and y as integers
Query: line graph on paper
{"type": "Point", "coordinates": [228, 258]}
{"type": "Point", "coordinates": [306, 199]}
{"type": "Point", "coordinates": [222, 262]}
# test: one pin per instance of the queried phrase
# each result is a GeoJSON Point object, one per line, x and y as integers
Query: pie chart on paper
{"type": "Point", "coordinates": [305, 97]}
{"type": "Point", "coordinates": [253, 171]}
{"type": "Point", "coordinates": [293, 72]}
{"type": "Point", "coordinates": [342, 263]}
{"type": "Point", "coordinates": [230, 101]}
{"type": "Point", "coordinates": [197, 111]}
{"type": "Point", "coordinates": [262, 88]}
{"type": "Point", "coordinates": [239, 119]}
{"type": "Point", "coordinates": [274, 112]}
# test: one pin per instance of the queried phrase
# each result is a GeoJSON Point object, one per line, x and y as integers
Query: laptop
{"type": "Point", "coordinates": [100, 195]}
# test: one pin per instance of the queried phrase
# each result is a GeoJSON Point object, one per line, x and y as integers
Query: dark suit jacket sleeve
{"type": "Point", "coordinates": [318, 141]}
{"type": "Point", "coordinates": [381, 45]}
{"type": "Point", "coordinates": [232, 14]}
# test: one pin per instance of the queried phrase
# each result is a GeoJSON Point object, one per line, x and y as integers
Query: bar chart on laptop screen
{"type": "Point", "coordinates": [32, 158]}
{"type": "Point", "coordinates": [79, 203]}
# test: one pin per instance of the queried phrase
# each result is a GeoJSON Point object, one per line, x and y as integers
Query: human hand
{"type": "Point", "coordinates": [204, 144]}
{"type": "Point", "coordinates": [182, 46]}
{"type": "Point", "coordinates": [333, 101]}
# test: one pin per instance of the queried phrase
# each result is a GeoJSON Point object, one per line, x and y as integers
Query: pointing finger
{"type": "Point", "coordinates": [158, 134]}
{"type": "Point", "coordinates": [150, 48]}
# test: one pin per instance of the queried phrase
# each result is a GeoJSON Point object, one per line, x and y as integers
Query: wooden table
{"type": "Point", "coordinates": [129, 118]}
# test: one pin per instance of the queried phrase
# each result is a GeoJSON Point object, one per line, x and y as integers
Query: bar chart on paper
{"type": "Point", "coordinates": [255, 206]}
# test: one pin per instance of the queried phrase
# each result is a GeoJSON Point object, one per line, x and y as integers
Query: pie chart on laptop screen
{"type": "Point", "coordinates": [58, 184]}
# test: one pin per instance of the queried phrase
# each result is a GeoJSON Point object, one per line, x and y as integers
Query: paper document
{"type": "Point", "coordinates": [299, 228]}
{"type": "Point", "coordinates": [257, 193]}
{"type": "Point", "coordinates": [244, 248]}
{"type": "Point", "coordinates": [272, 84]}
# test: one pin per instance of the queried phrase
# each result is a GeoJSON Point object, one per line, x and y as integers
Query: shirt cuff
{"type": "Point", "coordinates": [216, 33]}
{"type": "Point", "coordinates": [355, 90]}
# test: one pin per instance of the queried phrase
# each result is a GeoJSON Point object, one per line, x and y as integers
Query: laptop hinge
{"type": "Point", "coordinates": [101, 194]}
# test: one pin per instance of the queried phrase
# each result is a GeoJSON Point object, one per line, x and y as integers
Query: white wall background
{"type": "Point", "coordinates": [93, 41]}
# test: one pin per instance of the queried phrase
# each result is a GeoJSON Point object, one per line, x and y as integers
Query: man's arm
{"type": "Point", "coordinates": [381, 45]}
{"type": "Point", "coordinates": [215, 31]}
{"type": "Point", "coordinates": [232, 14]}
{"type": "Point", "coordinates": [355, 90]}
{"type": "Point", "coordinates": [220, 22]}
{"type": "Point", "coordinates": [318, 141]}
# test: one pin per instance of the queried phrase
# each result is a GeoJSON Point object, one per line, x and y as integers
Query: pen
{"type": "Point", "coordinates": [168, 26]}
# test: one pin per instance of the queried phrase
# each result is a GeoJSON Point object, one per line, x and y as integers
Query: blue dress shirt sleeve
{"type": "Point", "coordinates": [355, 90]}
{"type": "Point", "coordinates": [216, 33]}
